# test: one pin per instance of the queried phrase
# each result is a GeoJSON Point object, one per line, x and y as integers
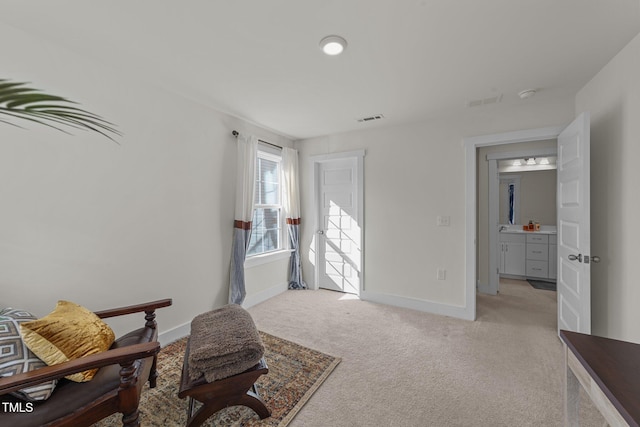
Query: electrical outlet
{"type": "Point", "coordinates": [443, 221]}
{"type": "Point", "coordinates": [441, 274]}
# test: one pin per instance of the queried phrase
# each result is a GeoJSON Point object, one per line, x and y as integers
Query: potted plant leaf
{"type": "Point", "coordinates": [19, 101]}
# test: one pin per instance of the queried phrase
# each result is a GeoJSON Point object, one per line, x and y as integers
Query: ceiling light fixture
{"type": "Point", "coordinates": [333, 45]}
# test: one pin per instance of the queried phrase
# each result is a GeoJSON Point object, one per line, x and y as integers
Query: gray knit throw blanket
{"type": "Point", "coordinates": [223, 342]}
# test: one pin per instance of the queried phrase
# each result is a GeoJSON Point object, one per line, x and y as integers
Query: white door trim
{"type": "Point", "coordinates": [471, 144]}
{"type": "Point", "coordinates": [322, 158]}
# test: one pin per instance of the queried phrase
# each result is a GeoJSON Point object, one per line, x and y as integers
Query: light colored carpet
{"type": "Point", "coordinates": [407, 368]}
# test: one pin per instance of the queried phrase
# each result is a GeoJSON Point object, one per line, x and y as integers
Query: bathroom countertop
{"type": "Point", "coordinates": [520, 231]}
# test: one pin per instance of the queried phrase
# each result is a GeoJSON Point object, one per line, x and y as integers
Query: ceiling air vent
{"type": "Point", "coordinates": [371, 118]}
{"type": "Point", "coordinates": [485, 101]}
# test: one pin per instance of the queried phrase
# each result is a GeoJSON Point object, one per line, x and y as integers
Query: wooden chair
{"type": "Point", "coordinates": [116, 387]}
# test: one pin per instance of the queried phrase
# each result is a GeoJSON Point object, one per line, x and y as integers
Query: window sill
{"type": "Point", "coordinates": [256, 260]}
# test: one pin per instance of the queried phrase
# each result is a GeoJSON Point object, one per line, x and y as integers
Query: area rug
{"type": "Point", "coordinates": [541, 284]}
{"type": "Point", "coordinates": [295, 373]}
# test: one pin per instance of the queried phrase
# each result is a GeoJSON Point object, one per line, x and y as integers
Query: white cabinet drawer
{"type": "Point", "coordinates": [538, 251]}
{"type": "Point", "coordinates": [537, 268]}
{"type": "Point", "coordinates": [512, 238]}
{"type": "Point", "coordinates": [538, 238]}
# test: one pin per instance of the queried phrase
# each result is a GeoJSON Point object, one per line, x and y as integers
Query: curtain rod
{"type": "Point", "coordinates": [235, 133]}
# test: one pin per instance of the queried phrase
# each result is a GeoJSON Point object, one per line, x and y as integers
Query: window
{"type": "Point", "coordinates": [266, 226]}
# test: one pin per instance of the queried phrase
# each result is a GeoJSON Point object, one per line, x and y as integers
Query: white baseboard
{"type": "Point", "coordinates": [181, 331]}
{"type": "Point", "coordinates": [253, 299]}
{"type": "Point", "coordinates": [174, 334]}
{"type": "Point", "coordinates": [418, 304]}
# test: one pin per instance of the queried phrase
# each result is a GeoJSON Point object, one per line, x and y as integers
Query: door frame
{"type": "Point", "coordinates": [471, 246]}
{"type": "Point", "coordinates": [358, 155]}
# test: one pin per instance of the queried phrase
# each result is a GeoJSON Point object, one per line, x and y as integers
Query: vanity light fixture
{"type": "Point", "coordinates": [544, 161]}
{"type": "Point", "coordinates": [517, 162]}
{"type": "Point", "coordinates": [531, 161]}
{"type": "Point", "coordinates": [333, 45]}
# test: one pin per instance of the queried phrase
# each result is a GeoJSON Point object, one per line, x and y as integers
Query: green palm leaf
{"type": "Point", "coordinates": [19, 101]}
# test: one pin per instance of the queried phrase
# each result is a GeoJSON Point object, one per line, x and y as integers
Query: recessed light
{"type": "Point", "coordinates": [333, 45]}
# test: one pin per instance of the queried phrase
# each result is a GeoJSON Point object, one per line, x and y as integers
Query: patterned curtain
{"type": "Point", "coordinates": [291, 205]}
{"type": "Point", "coordinates": [245, 192]}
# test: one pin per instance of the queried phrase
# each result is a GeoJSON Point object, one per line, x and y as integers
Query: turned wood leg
{"type": "Point", "coordinates": [132, 419]}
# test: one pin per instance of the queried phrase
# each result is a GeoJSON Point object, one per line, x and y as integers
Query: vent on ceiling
{"type": "Point", "coordinates": [485, 101]}
{"type": "Point", "coordinates": [371, 118]}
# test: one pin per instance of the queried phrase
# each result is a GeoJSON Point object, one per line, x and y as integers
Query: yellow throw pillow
{"type": "Point", "coordinates": [69, 332]}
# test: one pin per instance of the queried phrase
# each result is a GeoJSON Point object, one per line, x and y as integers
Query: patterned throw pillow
{"type": "Point", "coordinates": [16, 358]}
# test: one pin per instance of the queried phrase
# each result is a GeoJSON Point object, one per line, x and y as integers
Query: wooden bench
{"type": "Point", "coordinates": [238, 389]}
{"type": "Point", "coordinates": [609, 371]}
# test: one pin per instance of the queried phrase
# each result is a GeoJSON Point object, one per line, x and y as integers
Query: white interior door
{"type": "Point", "coordinates": [339, 232]}
{"type": "Point", "coordinates": [574, 240]}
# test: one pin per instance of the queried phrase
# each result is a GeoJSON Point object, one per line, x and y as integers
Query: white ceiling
{"type": "Point", "coordinates": [409, 60]}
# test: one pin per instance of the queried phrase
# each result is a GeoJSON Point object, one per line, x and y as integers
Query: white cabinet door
{"type": "Point", "coordinates": [514, 258]}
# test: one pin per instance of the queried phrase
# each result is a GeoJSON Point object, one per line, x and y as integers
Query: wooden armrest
{"type": "Point", "coordinates": [148, 306]}
{"type": "Point", "coordinates": [121, 355]}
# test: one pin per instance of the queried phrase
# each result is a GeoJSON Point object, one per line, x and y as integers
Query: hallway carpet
{"type": "Point", "coordinates": [403, 367]}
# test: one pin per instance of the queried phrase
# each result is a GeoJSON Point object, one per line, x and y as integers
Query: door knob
{"type": "Point", "coordinates": [575, 257]}
{"type": "Point", "coordinates": [595, 259]}
{"type": "Point", "coordinates": [320, 231]}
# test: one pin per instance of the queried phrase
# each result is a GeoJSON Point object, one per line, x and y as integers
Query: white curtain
{"type": "Point", "coordinates": [291, 205]}
{"type": "Point", "coordinates": [245, 193]}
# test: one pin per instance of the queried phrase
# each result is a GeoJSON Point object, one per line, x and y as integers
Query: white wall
{"type": "Point", "coordinates": [105, 225]}
{"type": "Point", "coordinates": [412, 174]}
{"type": "Point", "coordinates": [613, 98]}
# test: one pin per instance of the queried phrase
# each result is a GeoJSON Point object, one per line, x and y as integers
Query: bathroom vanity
{"type": "Point", "coordinates": [528, 254]}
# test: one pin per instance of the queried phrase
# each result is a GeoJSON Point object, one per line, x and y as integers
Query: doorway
{"type": "Point", "coordinates": [471, 197]}
{"type": "Point", "coordinates": [573, 219]}
{"type": "Point", "coordinates": [339, 249]}
{"type": "Point", "coordinates": [527, 202]}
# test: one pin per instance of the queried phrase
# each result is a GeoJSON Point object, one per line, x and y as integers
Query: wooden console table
{"type": "Point", "coordinates": [609, 371]}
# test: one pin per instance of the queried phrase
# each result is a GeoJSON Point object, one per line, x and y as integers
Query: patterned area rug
{"type": "Point", "coordinates": [295, 373]}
